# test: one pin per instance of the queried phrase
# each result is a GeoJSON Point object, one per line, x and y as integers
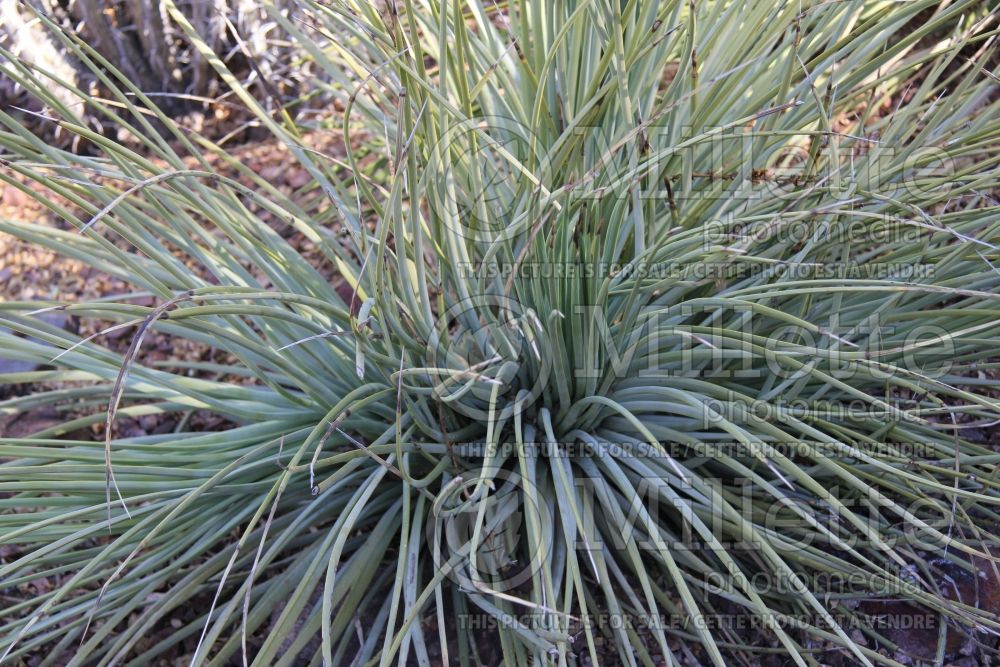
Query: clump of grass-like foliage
{"type": "Point", "coordinates": [652, 299]}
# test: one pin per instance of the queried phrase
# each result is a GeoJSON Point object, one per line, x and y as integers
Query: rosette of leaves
{"type": "Point", "coordinates": [665, 319]}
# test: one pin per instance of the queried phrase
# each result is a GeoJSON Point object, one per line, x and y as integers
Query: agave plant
{"type": "Point", "coordinates": [665, 319]}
